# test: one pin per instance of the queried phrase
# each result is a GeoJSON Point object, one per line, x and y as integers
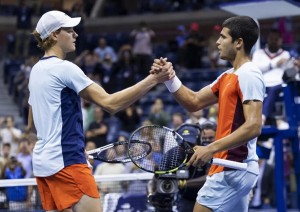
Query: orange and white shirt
{"type": "Point", "coordinates": [233, 88]}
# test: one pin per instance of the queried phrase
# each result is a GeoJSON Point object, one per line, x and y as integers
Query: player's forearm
{"type": "Point", "coordinates": [239, 137]}
{"type": "Point", "coordinates": [191, 100]}
{"type": "Point", "coordinates": [122, 99]}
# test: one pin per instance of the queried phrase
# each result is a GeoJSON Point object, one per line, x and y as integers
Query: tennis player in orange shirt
{"type": "Point", "coordinates": [239, 93]}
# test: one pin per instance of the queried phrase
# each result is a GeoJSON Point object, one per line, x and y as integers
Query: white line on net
{"type": "Point", "coordinates": [98, 178]}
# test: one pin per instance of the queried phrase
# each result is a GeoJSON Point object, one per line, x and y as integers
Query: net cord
{"type": "Point", "coordinates": [98, 178]}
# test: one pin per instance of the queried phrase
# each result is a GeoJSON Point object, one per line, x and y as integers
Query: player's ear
{"type": "Point", "coordinates": [54, 35]}
{"type": "Point", "coordinates": [239, 43]}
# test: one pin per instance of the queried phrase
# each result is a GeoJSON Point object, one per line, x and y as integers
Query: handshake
{"type": "Point", "coordinates": [163, 70]}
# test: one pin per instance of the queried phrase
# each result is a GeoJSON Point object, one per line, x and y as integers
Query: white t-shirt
{"type": "Point", "coordinates": [54, 85]}
{"type": "Point", "coordinates": [267, 63]}
{"type": "Point", "coordinates": [7, 137]}
{"type": "Point", "coordinates": [233, 88]}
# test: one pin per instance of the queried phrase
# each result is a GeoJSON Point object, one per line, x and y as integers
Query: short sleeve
{"type": "Point", "coordinates": [252, 86]}
{"type": "Point", "coordinates": [74, 77]}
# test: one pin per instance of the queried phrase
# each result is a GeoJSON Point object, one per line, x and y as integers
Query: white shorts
{"type": "Point", "coordinates": [227, 191]}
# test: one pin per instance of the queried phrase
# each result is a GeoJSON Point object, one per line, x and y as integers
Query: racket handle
{"type": "Point", "coordinates": [89, 164]}
{"type": "Point", "coordinates": [230, 164]}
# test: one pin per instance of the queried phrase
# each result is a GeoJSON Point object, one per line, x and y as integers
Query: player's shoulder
{"type": "Point", "coordinates": [69, 64]}
{"type": "Point", "coordinates": [249, 71]}
{"type": "Point", "coordinates": [250, 68]}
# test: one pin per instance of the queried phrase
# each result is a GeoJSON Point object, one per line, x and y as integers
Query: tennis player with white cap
{"type": "Point", "coordinates": [56, 87]}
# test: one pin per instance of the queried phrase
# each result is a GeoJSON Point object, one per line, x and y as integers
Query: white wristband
{"type": "Point", "coordinates": [173, 84]}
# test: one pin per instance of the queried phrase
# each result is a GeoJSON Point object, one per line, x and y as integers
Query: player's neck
{"type": "Point", "coordinates": [55, 51]}
{"type": "Point", "coordinates": [239, 61]}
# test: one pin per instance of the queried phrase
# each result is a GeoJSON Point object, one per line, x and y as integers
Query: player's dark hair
{"type": "Point", "coordinates": [243, 27]}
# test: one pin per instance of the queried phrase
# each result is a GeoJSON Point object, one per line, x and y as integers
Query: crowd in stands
{"type": "Point", "coordinates": [116, 62]}
{"type": "Point", "coordinates": [121, 7]}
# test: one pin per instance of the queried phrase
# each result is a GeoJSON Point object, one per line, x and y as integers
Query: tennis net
{"type": "Point", "coordinates": [123, 192]}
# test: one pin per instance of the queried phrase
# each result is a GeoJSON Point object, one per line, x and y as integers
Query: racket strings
{"type": "Point", "coordinates": [139, 150]}
{"type": "Point", "coordinates": [115, 153]}
{"type": "Point", "coordinates": [167, 152]}
{"type": "Point", "coordinates": [173, 152]}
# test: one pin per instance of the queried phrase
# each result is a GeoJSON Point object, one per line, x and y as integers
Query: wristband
{"type": "Point", "coordinates": [173, 84]}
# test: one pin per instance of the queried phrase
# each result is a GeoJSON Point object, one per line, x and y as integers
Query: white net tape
{"type": "Point", "coordinates": [117, 192]}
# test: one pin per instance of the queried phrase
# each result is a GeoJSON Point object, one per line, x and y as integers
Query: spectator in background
{"type": "Point", "coordinates": [24, 157]}
{"type": "Point", "coordinates": [208, 132]}
{"type": "Point", "coordinates": [2, 122]}
{"type": "Point", "coordinates": [271, 61]}
{"type": "Point", "coordinates": [129, 118]}
{"type": "Point", "coordinates": [123, 70]}
{"type": "Point", "coordinates": [103, 51]}
{"type": "Point", "coordinates": [106, 73]}
{"type": "Point", "coordinates": [16, 195]}
{"type": "Point", "coordinates": [142, 49]}
{"type": "Point", "coordinates": [157, 114]}
{"type": "Point", "coordinates": [89, 62]}
{"type": "Point", "coordinates": [196, 117]}
{"type": "Point", "coordinates": [177, 120]}
{"type": "Point", "coordinates": [191, 51]}
{"type": "Point", "coordinates": [5, 154]}
{"type": "Point", "coordinates": [97, 131]}
{"type": "Point", "coordinates": [24, 14]}
{"type": "Point", "coordinates": [11, 134]}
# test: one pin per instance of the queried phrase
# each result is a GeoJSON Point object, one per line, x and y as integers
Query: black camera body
{"type": "Point", "coordinates": [168, 183]}
{"type": "Point", "coordinates": [164, 196]}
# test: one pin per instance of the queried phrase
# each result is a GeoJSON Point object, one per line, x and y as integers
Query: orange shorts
{"type": "Point", "coordinates": [65, 188]}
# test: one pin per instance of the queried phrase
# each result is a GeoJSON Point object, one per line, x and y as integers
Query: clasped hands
{"type": "Point", "coordinates": [162, 66]}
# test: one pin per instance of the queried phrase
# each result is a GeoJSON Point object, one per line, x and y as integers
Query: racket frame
{"type": "Point", "coordinates": [118, 143]}
{"type": "Point", "coordinates": [188, 150]}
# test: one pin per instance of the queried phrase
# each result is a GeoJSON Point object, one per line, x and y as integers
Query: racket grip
{"type": "Point", "coordinates": [89, 164]}
{"type": "Point", "coordinates": [230, 164]}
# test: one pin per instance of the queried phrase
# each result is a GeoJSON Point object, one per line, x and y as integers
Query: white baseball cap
{"type": "Point", "coordinates": [53, 20]}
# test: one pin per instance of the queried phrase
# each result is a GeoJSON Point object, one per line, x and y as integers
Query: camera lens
{"type": "Point", "coordinates": [167, 186]}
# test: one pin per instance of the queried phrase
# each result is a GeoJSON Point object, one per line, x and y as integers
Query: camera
{"type": "Point", "coordinates": [168, 183]}
{"type": "Point", "coordinates": [165, 189]}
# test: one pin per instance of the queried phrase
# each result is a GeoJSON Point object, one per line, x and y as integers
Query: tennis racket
{"type": "Point", "coordinates": [169, 151]}
{"type": "Point", "coordinates": [117, 152]}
